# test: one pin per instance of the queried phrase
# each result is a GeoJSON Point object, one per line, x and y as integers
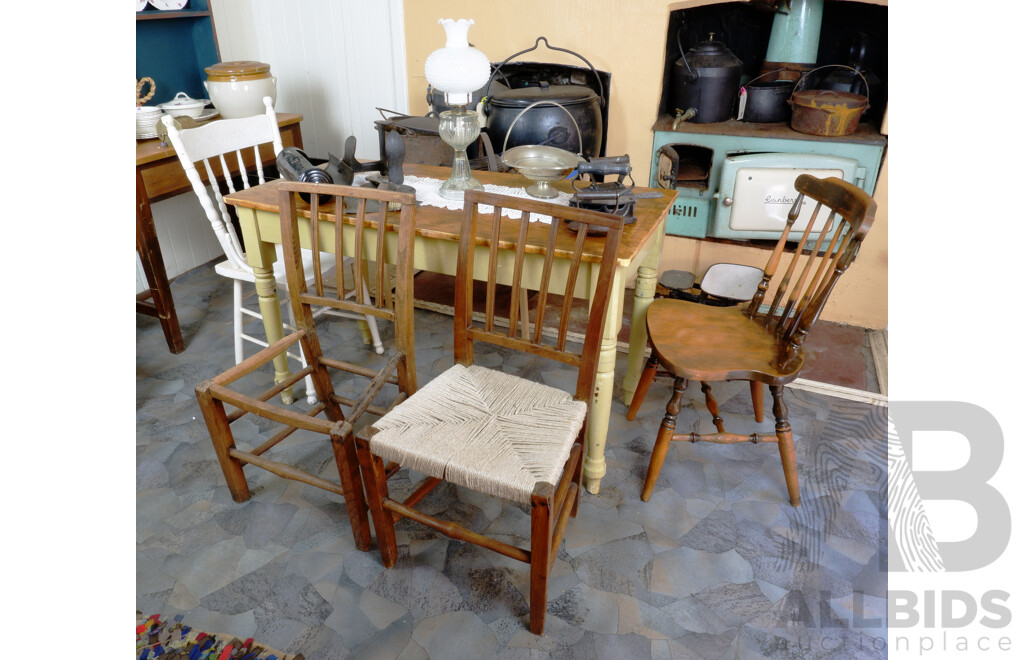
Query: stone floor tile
{"type": "Point", "coordinates": [717, 564]}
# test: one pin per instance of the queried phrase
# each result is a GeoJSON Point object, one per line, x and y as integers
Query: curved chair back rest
{"type": "Point", "coordinates": [356, 233]}
{"type": "Point", "coordinates": [226, 148]}
{"type": "Point", "coordinates": [814, 265]}
{"type": "Point", "coordinates": [503, 242]}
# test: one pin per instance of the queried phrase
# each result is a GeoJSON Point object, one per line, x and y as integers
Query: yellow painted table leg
{"type": "Point", "coordinates": [594, 466]}
{"type": "Point", "coordinates": [261, 255]}
{"type": "Point", "coordinates": [270, 308]}
{"type": "Point", "coordinates": [643, 295]}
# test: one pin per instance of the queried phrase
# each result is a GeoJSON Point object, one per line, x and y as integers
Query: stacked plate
{"type": "Point", "coordinates": [145, 121]}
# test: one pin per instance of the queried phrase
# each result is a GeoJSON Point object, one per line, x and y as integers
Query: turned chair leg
{"type": "Point", "coordinates": [712, 405]}
{"type": "Point", "coordinates": [665, 433]}
{"type": "Point", "coordinates": [787, 451]}
{"type": "Point", "coordinates": [757, 398]}
{"type": "Point", "coordinates": [644, 384]}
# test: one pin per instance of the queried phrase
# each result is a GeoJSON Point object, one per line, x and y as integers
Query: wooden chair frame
{"type": "Point", "coordinates": [395, 306]}
{"type": "Point", "coordinates": [551, 504]}
{"type": "Point", "coordinates": [799, 297]}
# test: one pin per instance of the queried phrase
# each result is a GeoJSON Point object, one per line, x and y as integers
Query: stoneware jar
{"type": "Point", "coordinates": [237, 88]}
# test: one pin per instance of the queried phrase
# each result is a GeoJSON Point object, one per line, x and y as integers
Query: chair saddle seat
{"type": "Point", "coordinates": [705, 343]}
{"type": "Point", "coordinates": [479, 428]}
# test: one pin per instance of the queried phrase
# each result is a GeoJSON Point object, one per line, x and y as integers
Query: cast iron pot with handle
{"type": "Point", "coordinates": [547, 124]}
{"type": "Point", "coordinates": [765, 101]}
{"type": "Point", "coordinates": [826, 112]}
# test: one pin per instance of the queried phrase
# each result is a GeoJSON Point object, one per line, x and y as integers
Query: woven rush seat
{"type": "Point", "coordinates": [483, 429]}
{"type": "Point", "coordinates": [490, 432]}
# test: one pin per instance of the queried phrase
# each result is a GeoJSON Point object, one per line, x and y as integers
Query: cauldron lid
{"type": "Point", "coordinates": [426, 124]}
{"type": "Point", "coordinates": [561, 94]}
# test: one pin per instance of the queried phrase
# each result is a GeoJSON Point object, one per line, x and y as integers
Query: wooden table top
{"type": "Point", "coordinates": [444, 224]}
{"type": "Point", "coordinates": [148, 151]}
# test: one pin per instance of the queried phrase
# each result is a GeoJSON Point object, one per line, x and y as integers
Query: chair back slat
{"type": "Point", "coordinates": [783, 288]}
{"type": "Point", "coordinates": [383, 288]}
{"type": "Point", "coordinates": [570, 287]}
{"type": "Point", "coordinates": [812, 271]}
{"type": "Point", "coordinates": [826, 263]}
{"type": "Point", "coordinates": [549, 258]}
{"type": "Point", "coordinates": [331, 212]}
{"type": "Point", "coordinates": [259, 167]}
{"type": "Point", "coordinates": [492, 270]}
{"type": "Point", "coordinates": [545, 283]}
{"type": "Point", "coordinates": [518, 293]}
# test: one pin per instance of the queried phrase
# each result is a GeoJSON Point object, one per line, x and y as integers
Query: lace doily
{"type": "Point", "coordinates": [427, 194]}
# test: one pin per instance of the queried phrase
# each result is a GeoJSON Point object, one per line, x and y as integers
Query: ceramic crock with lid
{"type": "Point", "coordinates": [237, 88]}
{"type": "Point", "coordinates": [184, 105]}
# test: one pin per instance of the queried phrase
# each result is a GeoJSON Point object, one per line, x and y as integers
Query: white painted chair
{"type": "Point", "coordinates": [243, 137]}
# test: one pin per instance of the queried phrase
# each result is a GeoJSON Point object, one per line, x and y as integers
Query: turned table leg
{"type": "Point", "coordinates": [594, 466]}
{"type": "Point", "coordinates": [643, 296]}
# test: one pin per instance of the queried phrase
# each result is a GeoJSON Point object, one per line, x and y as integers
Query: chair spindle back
{"type": "Point", "coordinates": [508, 254]}
{"type": "Point", "coordinates": [804, 288]}
{"type": "Point", "coordinates": [227, 143]}
{"type": "Point", "coordinates": [357, 231]}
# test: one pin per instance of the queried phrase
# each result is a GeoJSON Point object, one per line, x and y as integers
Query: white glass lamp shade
{"type": "Point", "coordinates": [458, 69]}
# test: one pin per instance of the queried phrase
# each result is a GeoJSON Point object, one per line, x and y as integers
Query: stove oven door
{"type": "Point", "coordinates": [757, 191]}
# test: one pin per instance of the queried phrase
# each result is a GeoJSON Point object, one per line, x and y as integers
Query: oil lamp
{"type": "Point", "coordinates": [458, 70]}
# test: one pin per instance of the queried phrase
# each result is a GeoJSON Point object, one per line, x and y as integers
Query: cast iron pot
{"type": "Point", "coordinates": [766, 100]}
{"type": "Point", "coordinates": [547, 124]}
{"type": "Point", "coordinates": [826, 112]}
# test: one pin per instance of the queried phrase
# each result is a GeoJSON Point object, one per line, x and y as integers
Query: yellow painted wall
{"type": "Point", "coordinates": [627, 39]}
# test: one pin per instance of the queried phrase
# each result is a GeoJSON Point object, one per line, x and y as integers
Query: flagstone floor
{"type": "Point", "coordinates": [716, 565]}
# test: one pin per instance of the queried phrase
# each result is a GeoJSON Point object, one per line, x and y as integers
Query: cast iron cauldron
{"type": "Point", "coordinates": [766, 100]}
{"type": "Point", "coordinates": [707, 79]}
{"type": "Point", "coordinates": [547, 124]}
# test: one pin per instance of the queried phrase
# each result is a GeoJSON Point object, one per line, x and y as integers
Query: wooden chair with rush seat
{"type": "Point", "coordinates": [364, 210]}
{"type": "Point", "coordinates": [707, 344]}
{"type": "Point", "coordinates": [493, 432]}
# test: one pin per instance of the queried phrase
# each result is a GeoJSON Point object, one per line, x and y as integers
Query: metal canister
{"type": "Point", "coordinates": [707, 79]}
{"type": "Point", "coordinates": [294, 165]}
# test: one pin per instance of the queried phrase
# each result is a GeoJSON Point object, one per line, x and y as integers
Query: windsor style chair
{"type": "Point", "coordinates": [705, 343]}
{"type": "Point", "coordinates": [238, 140]}
{"type": "Point", "coordinates": [367, 229]}
{"type": "Point", "coordinates": [492, 432]}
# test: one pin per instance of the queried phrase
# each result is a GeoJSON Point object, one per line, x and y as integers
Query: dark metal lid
{"type": "Point", "coordinates": [561, 94]}
{"type": "Point", "coordinates": [712, 55]}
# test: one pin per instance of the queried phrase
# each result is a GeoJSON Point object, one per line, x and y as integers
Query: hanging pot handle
{"type": "Point", "coordinates": [867, 90]}
{"type": "Point", "coordinates": [536, 44]}
{"type": "Point", "coordinates": [535, 103]}
{"type": "Point", "coordinates": [679, 43]}
{"type": "Point", "coordinates": [766, 73]}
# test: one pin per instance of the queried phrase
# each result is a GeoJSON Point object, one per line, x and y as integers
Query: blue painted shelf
{"type": "Point", "coordinates": [173, 48]}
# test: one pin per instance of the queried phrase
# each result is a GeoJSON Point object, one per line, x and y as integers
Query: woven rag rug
{"type": "Point", "coordinates": [174, 640]}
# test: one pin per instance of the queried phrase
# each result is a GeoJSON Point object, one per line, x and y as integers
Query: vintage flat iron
{"type": "Point", "coordinates": [614, 197]}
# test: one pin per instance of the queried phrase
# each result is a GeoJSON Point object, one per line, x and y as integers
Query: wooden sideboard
{"type": "Point", "coordinates": [159, 175]}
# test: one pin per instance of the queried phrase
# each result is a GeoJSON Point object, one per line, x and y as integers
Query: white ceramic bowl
{"type": "Point", "coordinates": [182, 105]}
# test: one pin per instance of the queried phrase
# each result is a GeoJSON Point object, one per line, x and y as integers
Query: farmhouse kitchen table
{"type": "Point", "coordinates": [437, 235]}
{"type": "Point", "coordinates": [158, 176]}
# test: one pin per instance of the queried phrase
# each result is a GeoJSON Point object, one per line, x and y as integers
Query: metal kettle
{"type": "Point", "coordinates": [705, 81]}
